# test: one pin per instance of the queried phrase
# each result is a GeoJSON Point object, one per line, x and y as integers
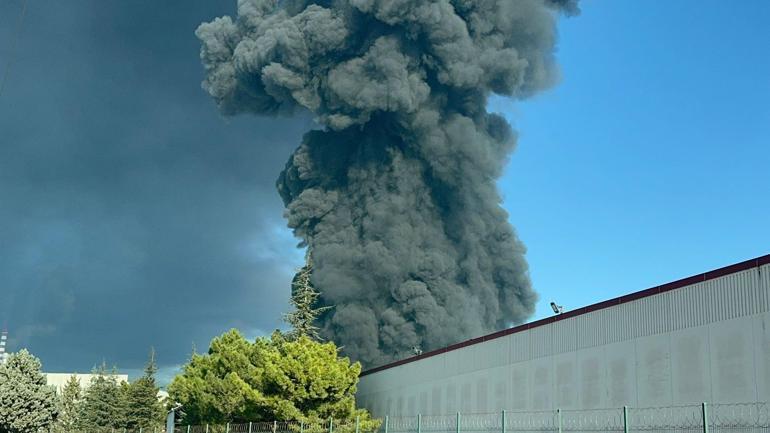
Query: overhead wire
{"type": "Point", "coordinates": [14, 43]}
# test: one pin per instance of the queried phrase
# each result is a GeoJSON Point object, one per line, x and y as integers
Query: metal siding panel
{"type": "Point", "coordinates": [764, 274]}
{"type": "Point", "coordinates": [492, 353]}
{"type": "Point", "coordinates": [564, 336]}
{"type": "Point", "coordinates": [590, 332]}
{"type": "Point", "coordinates": [541, 341]}
{"type": "Point", "coordinates": [451, 362]}
{"type": "Point", "coordinates": [465, 359]}
{"type": "Point", "coordinates": [520, 349]}
{"type": "Point", "coordinates": [622, 327]}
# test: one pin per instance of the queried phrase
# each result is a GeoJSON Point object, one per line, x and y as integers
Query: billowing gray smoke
{"type": "Point", "coordinates": [396, 194]}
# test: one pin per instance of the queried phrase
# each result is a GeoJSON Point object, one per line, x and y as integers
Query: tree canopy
{"type": "Point", "coordinates": [103, 404]}
{"type": "Point", "coordinates": [69, 405]}
{"type": "Point", "coordinates": [27, 403]}
{"type": "Point", "coordinates": [269, 379]}
{"type": "Point", "coordinates": [143, 409]}
{"type": "Point", "coordinates": [303, 299]}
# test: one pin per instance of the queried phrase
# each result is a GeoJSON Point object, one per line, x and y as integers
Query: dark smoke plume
{"type": "Point", "coordinates": [396, 195]}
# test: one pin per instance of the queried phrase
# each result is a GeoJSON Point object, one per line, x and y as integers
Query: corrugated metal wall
{"type": "Point", "coordinates": [709, 341]}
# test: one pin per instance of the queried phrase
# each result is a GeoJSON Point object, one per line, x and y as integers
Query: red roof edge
{"type": "Point", "coordinates": [710, 275]}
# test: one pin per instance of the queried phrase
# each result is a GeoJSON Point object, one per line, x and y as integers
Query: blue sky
{"type": "Point", "coordinates": [650, 161]}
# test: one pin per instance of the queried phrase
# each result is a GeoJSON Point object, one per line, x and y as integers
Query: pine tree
{"type": "Point", "coordinates": [69, 405]}
{"type": "Point", "coordinates": [239, 381]}
{"type": "Point", "coordinates": [303, 299]}
{"type": "Point", "coordinates": [103, 402]}
{"type": "Point", "coordinates": [142, 406]}
{"type": "Point", "coordinates": [27, 403]}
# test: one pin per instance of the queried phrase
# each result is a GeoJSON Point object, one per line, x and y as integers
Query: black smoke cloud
{"type": "Point", "coordinates": [131, 214]}
{"type": "Point", "coordinates": [396, 196]}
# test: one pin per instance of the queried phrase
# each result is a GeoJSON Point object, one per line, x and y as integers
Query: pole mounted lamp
{"type": "Point", "coordinates": [171, 417]}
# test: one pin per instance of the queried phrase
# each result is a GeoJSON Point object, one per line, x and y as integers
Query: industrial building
{"type": "Point", "coordinates": [58, 380]}
{"type": "Point", "coordinates": [705, 338]}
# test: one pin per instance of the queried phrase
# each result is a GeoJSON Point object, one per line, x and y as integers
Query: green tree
{"type": "Point", "coordinates": [270, 379]}
{"type": "Point", "coordinates": [303, 299]}
{"type": "Point", "coordinates": [27, 403]}
{"type": "Point", "coordinates": [69, 405]}
{"type": "Point", "coordinates": [103, 402]}
{"type": "Point", "coordinates": [143, 410]}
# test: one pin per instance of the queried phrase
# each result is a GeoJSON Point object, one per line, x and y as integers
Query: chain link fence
{"type": "Point", "coordinates": [719, 418]}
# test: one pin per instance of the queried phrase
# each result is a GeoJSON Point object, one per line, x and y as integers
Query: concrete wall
{"type": "Point", "coordinates": [708, 341]}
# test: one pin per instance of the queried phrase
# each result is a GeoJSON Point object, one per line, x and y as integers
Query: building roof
{"type": "Point", "coordinates": [58, 380]}
{"type": "Point", "coordinates": [710, 275]}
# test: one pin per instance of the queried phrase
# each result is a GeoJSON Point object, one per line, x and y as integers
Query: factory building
{"type": "Point", "coordinates": [59, 380]}
{"type": "Point", "coordinates": [702, 338]}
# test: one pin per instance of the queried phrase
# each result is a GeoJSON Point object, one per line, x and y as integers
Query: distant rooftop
{"type": "Point", "coordinates": [58, 380]}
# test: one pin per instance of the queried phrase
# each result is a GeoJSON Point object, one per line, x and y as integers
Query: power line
{"type": "Point", "coordinates": [14, 42]}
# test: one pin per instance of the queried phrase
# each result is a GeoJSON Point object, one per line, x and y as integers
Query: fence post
{"type": "Point", "coordinates": [207, 428]}
{"type": "Point", "coordinates": [386, 423]}
{"type": "Point", "coordinates": [188, 428]}
{"type": "Point", "coordinates": [331, 425]}
{"type": "Point", "coordinates": [419, 422]}
{"type": "Point", "coordinates": [302, 427]}
{"type": "Point", "coordinates": [625, 419]}
{"type": "Point", "coordinates": [358, 422]}
{"type": "Point", "coordinates": [502, 422]}
{"type": "Point", "coordinates": [275, 426]}
{"type": "Point", "coordinates": [227, 428]}
{"type": "Point", "coordinates": [558, 419]}
{"type": "Point", "coordinates": [457, 424]}
{"type": "Point", "coordinates": [705, 418]}
{"type": "Point", "coordinates": [249, 426]}
{"type": "Point", "coordinates": [140, 429]}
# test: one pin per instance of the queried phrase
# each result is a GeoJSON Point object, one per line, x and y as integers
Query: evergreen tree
{"type": "Point", "coordinates": [270, 379]}
{"type": "Point", "coordinates": [303, 299]}
{"type": "Point", "coordinates": [27, 403]}
{"type": "Point", "coordinates": [142, 406]}
{"type": "Point", "coordinates": [103, 402]}
{"type": "Point", "coordinates": [69, 405]}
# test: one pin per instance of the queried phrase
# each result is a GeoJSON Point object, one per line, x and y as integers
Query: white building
{"type": "Point", "coordinates": [702, 338]}
{"type": "Point", "coordinates": [58, 380]}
